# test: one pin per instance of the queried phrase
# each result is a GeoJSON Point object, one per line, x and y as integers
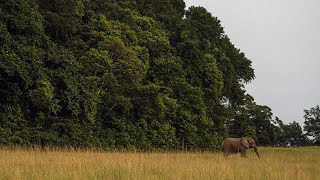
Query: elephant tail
{"type": "Point", "coordinates": [222, 147]}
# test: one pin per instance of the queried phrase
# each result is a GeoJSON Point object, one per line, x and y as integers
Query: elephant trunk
{"type": "Point", "coordinates": [256, 151]}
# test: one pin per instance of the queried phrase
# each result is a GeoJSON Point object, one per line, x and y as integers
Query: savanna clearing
{"type": "Point", "coordinates": [275, 163]}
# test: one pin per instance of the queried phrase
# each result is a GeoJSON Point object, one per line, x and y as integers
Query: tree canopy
{"type": "Point", "coordinates": [312, 123]}
{"type": "Point", "coordinates": [123, 74]}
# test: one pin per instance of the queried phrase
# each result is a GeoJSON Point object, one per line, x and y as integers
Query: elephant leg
{"type": "Point", "coordinates": [225, 154]}
{"type": "Point", "coordinates": [243, 152]}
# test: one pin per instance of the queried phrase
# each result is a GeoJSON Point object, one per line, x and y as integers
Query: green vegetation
{"type": "Point", "coordinates": [312, 123]}
{"type": "Point", "coordinates": [129, 74]}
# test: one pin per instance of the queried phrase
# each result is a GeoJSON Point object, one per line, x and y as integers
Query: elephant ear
{"type": "Point", "coordinates": [244, 142]}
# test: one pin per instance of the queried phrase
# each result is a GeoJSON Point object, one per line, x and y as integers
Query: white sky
{"type": "Point", "coordinates": [282, 39]}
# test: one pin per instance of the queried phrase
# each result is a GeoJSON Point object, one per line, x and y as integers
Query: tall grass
{"type": "Point", "coordinates": [275, 163]}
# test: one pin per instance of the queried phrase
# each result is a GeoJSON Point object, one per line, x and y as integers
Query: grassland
{"type": "Point", "coordinates": [275, 163]}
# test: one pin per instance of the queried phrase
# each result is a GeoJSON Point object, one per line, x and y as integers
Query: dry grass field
{"type": "Point", "coordinates": [275, 163]}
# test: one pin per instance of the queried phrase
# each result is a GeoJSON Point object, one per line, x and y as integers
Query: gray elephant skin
{"type": "Point", "coordinates": [235, 145]}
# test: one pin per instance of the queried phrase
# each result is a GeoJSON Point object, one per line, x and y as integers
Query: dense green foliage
{"type": "Point", "coordinates": [123, 74]}
{"type": "Point", "coordinates": [312, 123]}
{"type": "Point", "coordinates": [290, 134]}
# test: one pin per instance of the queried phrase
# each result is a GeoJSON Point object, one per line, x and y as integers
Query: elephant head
{"type": "Point", "coordinates": [250, 143]}
{"type": "Point", "coordinates": [235, 145]}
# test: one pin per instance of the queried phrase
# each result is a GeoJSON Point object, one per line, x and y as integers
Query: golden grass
{"type": "Point", "coordinates": [275, 163]}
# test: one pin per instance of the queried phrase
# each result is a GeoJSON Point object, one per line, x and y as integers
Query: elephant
{"type": "Point", "coordinates": [235, 145]}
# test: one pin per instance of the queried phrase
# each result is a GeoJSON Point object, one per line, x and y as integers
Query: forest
{"type": "Point", "coordinates": [129, 74]}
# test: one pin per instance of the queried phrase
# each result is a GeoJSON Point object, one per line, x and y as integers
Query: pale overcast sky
{"type": "Point", "coordinates": [282, 38]}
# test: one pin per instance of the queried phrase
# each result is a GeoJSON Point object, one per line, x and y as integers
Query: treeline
{"type": "Point", "coordinates": [123, 74]}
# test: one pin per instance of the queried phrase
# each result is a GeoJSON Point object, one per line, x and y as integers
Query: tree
{"type": "Point", "coordinates": [262, 116]}
{"type": "Point", "coordinates": [312, 123]}
{"type": "Point", "coordinates": [120, 74]}
{"type": "Point", "coordinates": [289, 134]}
{"type": "Point", "coordinates": [293, 135]}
